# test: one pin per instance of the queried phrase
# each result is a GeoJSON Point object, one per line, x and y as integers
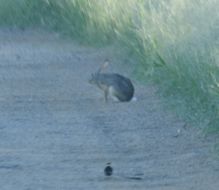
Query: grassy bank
{"type": "Point", "coordinates": [175, 43]}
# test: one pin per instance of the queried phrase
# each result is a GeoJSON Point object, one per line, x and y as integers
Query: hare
{"type": "Point", "coordinates": [113, 84]}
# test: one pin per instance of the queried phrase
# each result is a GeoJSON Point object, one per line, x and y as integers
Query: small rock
{"type": "Point", "coordinates": [108, 171]}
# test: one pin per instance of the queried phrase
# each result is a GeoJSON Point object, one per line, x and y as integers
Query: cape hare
{"type": "Point", "coordinates": [113, 84]}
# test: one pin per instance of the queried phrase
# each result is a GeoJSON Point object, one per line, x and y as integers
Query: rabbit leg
{"type": "Point", "coordinates": [106, 92]}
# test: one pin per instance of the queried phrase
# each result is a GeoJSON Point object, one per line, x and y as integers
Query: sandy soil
{"type": "Point", "coordinates": [56, 132]}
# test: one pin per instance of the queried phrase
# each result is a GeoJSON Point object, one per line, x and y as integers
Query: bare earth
{"type": "Point", "coordinates": [56, 132]}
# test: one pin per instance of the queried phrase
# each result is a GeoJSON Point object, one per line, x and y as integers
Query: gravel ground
{"type": "Point", "coordinates": [57, 133]}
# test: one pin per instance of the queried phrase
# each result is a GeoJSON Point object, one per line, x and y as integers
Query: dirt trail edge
{"type": "Point", "coordinates": [57, 133]}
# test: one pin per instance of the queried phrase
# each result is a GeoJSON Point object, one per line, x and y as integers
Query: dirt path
{"type": "Point", "coordinates": [57, 133]}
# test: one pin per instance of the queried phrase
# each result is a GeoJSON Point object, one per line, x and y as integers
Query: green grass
{"type": "Point", "coordinates": [174, 43]}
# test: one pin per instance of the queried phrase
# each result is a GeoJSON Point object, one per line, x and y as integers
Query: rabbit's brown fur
{"type": "Point", "coordinates": [113, 84]}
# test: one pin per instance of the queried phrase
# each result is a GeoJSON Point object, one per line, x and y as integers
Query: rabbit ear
{"type": "Point", "coordinates": [91, 78]}
{"type": "Point", "coordinates": [103, 66]}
